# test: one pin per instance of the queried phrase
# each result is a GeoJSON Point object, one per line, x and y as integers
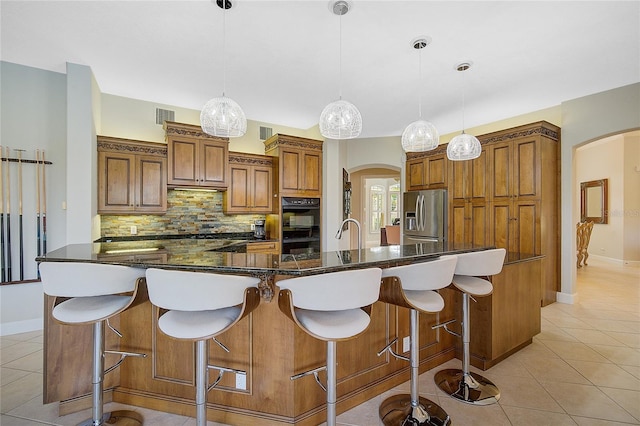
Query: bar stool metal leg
{"type": "Point", "coordinates": [201, 383]}
{"type": "Point", "coordinates": [331, 383]}
{"type": "Point", "coordinates": [464, 385]}
{"type": "Point", "coordinates": [398, 410]}
{"type": "Point", "coordinates": [98, 417]}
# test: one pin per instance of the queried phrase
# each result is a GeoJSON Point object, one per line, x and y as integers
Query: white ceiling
{"type": "Point", "coordinates": [282, 57]}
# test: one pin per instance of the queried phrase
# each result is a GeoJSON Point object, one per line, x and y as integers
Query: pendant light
{"type": "Point", "coordinates": [421, 135]}
{"type": "Point", "coordinates": [223, 116]}
{"type": "Point", "coordinates": [463, 146]}
{"type": "Point", "coordinates": [340, 119]}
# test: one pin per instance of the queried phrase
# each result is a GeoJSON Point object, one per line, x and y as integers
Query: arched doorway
{"type": "Point", "coordinates": [375, 201]}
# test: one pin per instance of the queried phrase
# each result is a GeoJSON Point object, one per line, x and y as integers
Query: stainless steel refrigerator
{"type": "Point", "coordinates": [424, 215]}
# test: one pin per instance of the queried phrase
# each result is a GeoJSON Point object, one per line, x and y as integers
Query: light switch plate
{"type": "Point", "coordinates": [241, 381]}
{"type": "Point", "coordinates": [406, 344]}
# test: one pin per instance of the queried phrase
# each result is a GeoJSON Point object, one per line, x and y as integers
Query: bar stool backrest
{"type": "Point", "coordinates": [196, 291]}
{"type": "Point", "coordinates": [335, 291]}
{"type": "Point", "coordinates": [481, 263]}
{"type": "Point", "coordinates": [432, 275]}
{"type": "Point", "coordinates": [77, 279]}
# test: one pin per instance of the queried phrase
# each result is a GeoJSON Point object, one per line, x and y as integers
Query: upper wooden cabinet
{"type": "Point", "coordinates": [427, 170]}
{"type": "Point", "coordinates": [196, 159]}
{"type": "Point", "coordinates": [250, 184]}
{"type": "Point", "coordinates": [299, 165]}
{"type": "Point", "coordinates": [132, 176]}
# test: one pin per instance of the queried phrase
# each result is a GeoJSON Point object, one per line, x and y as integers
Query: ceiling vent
{"type": "Point", "coordinates": [265, 133]}
{"type": "Point", "coordinates": [163, 115]}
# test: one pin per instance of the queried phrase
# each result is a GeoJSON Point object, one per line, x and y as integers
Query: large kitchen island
{"type": "Point", "coordinates": [267, 344]}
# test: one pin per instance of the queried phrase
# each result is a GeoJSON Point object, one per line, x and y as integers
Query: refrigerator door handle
{"type": "Point", "coordinates": [418, 212]}
{"type": "Point", "coordinates": [423, 216]}
{"type": "Point", "coordinates": [425, 239]}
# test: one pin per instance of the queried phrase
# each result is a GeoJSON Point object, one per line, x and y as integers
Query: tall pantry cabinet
{"type": "Point", "coordinates": [508, 197]}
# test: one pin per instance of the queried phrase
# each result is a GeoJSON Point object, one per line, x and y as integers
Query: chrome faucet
{"type": "Point", "coordinates": [339, 233]}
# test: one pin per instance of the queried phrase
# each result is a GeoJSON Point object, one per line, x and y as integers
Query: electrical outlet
{"type": "Point", "coordinates": [134, 230]}
{"type": "Point", "coordinates": [253, 226]}
{"type": "Point", "coordinates": [241, 381]}
{"type": "Point", "coordinates": [406, 344]}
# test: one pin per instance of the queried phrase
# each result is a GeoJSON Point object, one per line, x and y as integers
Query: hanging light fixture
{"type": "Point", "coordinates": [421, 135]}
{"type": "Point", "coordinates": [340, 119]}
{"type": "Point", "coordinates": [223, 116]}
{"type": "Point", "coordinates": [463, 146]}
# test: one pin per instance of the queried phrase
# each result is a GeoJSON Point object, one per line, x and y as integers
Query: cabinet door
{"type": "Point", "coordinates": [237, 197]}
{"type": "Point", "coordinates": [436, 171]}
{"type": "Point", "coordinates": [457, 222]}
{"type": "Point", "coordinates": [290, 169]}
{"type": "Point", "coordinates": [183, 162]}
{"type": "Point", "coordinates": [500, 181]}
{"type": "Point", "coordinates": [312, 169]}
{"type": "Point", "coordinates": [262, 190]}
{"type": "Point", "coordinates": [416, 174]}
{"type": "Point", "coordinates": [213, 164]}
{"type": "Point", "coordinates": [526, 227]}
{"type": "Point", "coordinates": [526, 169]}
{"type": "Point", "coordinates": [151, 184]}
{"type": "Point", "coordinates": [116, 183]}
{"type": "Point", "coordinates": [478, 220]}
{"type": "Point", "coordinates": [500, 224]}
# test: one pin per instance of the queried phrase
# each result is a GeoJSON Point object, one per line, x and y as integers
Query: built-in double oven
{"type": "Point", "coordinates": [300, 225]}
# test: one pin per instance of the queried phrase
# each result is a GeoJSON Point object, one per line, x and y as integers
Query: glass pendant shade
{"type": "Point", "coordinates": [464, 147]}
{"type": "Point", "coordinates": [420, 136]}
{"type": "Point", "coordinates": [223, 117]}
{"type": "Point", "coordinates": [340, 120]}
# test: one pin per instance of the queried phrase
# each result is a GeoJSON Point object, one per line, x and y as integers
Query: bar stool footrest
{"type": "Point", "coordinates": [471, 388]}
{"type": "Point", "coordinates": [123, 355]}
{"type": "Point", "coordinates": [398, 411]}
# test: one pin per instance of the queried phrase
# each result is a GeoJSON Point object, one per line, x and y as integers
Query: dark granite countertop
{"type": "Point", "coordinates": [227, 256]}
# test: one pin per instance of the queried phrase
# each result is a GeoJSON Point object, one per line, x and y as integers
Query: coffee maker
{"type": "Point", "coordinates": [259, 231]}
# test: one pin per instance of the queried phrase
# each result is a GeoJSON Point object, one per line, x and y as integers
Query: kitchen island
{"type": "Point", "coordinates": [267, 344]}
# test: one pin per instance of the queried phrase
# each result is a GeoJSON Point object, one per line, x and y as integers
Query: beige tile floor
{"type": "Point", "coordinates": [582, 369]}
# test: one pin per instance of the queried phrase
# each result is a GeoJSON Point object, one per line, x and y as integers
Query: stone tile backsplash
{"type": "Point", "coordinates": [188, 212]}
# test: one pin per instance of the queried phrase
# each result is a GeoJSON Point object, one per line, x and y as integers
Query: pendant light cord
{"type": "Point", "coordinates": [340, 60]}
{"type": "Point", "coordinates": [463, 99]}
{"type": "Point", "coordinates": [420, 84]}
{"type": "Point", "coordinates": [224, 46]}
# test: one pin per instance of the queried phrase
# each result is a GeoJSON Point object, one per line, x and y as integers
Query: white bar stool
{"type": "Point", "coordinates": [464, 385]}
{"type": "Point", "coordinates": [199, 306]}
{"type": "Point", "coordinates": [91, 293]}
{"type": "Point", "coordinates": [332, 307]}
{"type": "Point", "coordinates": [415, 287]}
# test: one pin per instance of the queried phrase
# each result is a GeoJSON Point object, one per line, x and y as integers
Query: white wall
{"type": "Point", "coordinates": [32, 116]}
{"type": "Point", "coordinates": [584, 120]}
{"type": "Point", "coordinates": [631, 211]}
{"type": "Point", "coordinates": [603, 160]}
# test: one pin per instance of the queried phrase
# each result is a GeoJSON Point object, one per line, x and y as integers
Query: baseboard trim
{"type": "Point", "coordinates": [566, 298]}
{"type": "Point", "coordinates": [16, 327]}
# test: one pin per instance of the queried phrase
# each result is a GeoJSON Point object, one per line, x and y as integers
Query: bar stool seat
{"type": "Point", "coordinates": [199, 306]}
{"type": "Point", "coordinates": [330, 307]}
{"type": "Point", "coordinates": [462, 384]}
{"type": "Point", "coordinates": [415, 287]}
{"type": "Point", "coordinates": [91, 293]}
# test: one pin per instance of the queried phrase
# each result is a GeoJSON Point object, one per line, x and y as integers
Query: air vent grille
{"type": "Point", "coordinates": [163, 115]}
{"type": "Point", "coordinates": [265, 133]}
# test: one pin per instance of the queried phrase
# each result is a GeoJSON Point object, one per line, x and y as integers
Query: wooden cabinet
{"type": "Point", "coordinates": [468, 209]}
{"type": "Point", "coordinates": [250, 184]}
{"type": "Point", "coordinates": [195, 158]}
{"type": "Point", "coordinates": [299, 165]}
{"type": "Point", "coordinates": [506, 321]}
{"type": "Point", "coordinates": [269, 247]}
{"type": "Point", "coordinates": [132, 176]}
{"type": "Point", "coordinates": [427, 170]}
{"type": "Point", "coordinates": [508, 197]}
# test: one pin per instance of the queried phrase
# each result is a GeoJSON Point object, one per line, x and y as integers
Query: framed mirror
{"type": "Point", "coordinates": [594, 201]}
